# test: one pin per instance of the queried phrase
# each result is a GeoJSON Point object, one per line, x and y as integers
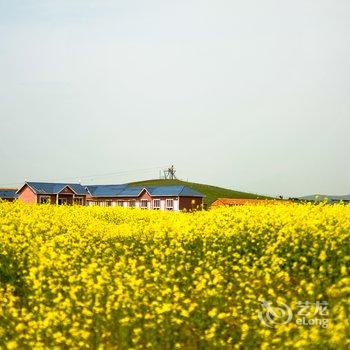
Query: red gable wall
{"type": "Point", "coordinates": [27, 195]}
{"type": "Point", "coordinates": [144, 195]}
{"type": "Point", "coordinates": [66, 190]}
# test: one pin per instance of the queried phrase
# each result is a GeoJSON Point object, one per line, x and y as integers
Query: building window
{"type": "Point", "coordinates": [144, 204]}
{"type": "Point", "coordinates": [78, 201]}
{"type": "Point", "coordinates": [156, 203]}
{"type": "Point", "coordinates": [132, 204]}
{"type": "Point", "coordinates": [170, 204]}
{"type": "Point", "coordinates": [120, 203]}
{"type": "Point", "coordinates": [44, 199]}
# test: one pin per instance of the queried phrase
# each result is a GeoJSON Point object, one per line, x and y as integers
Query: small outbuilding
{"type": "Point", "coordinates": [8, 194]}
{"type": "Point", "coordinates": [245, 201]}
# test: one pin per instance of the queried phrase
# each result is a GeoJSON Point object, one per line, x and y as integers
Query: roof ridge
{"type": "Point", "coordinates": [182, 189]}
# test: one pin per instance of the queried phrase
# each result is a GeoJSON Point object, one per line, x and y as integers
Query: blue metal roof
{"type": "Point", "coordinates": [161, 191]}
{"type": "Point", "coordinates": [120, 191]}
{"type": "Point", "coordinates": [54, 188]}
{"type": "Point", "coordinates": [131, 191]}
{"type": "Point", "coordinates": [179, 191]}
{"type": "Point", "coordinates": [165, 190]}
{"type": "Point", "coordinates": [105, 190]}
{"type": "Point", "coordinates": [189, 192]}
{"type": "Point", "coordinates": [8, 193]}
{"type": "Point", "coordinates": [134, 191]}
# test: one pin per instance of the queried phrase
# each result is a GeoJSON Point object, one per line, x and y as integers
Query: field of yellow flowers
{"type": "Point", "coordinates": [115, 278]}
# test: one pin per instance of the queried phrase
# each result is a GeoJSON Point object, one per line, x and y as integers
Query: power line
{"type": "Point", "coordinates": [121, 172]}
{"type": "Point", "coordinates": [91, 177]}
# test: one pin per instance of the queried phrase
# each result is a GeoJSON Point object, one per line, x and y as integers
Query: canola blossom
{"type": "Point", "coordinates": [114, 278]}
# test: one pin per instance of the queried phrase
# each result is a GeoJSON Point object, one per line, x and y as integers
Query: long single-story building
{"type": "Point", "coordinates": [145, 197]}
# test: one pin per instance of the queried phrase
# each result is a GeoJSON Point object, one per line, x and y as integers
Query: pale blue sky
{"type": "Point", "coordinates": [252, 95]}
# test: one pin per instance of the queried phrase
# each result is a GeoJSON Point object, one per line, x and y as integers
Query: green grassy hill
{"type": "Point", "coordinates": [211, 192]}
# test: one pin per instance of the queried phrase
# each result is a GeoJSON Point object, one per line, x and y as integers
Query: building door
{"type": "Point", "coordinates": [62, 201]}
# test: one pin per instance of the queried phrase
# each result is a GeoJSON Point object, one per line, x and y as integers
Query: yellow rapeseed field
{"type": "Point", "coordinates": [115, 278]}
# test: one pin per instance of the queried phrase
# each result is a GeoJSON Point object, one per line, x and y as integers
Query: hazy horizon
{"type": "Point", "coordinates": [247, 95]}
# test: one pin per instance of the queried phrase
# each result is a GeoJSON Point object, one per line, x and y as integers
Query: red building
{"type": "Point", "coordinates": [150, 197]}
{"type": "Point", "coordinates": [228, 202]}
{"type": "Point", "coordinates": [53, 193]}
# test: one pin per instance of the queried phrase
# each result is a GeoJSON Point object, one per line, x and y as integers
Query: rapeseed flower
{"type": "Point", "coordinates": [104, 278]}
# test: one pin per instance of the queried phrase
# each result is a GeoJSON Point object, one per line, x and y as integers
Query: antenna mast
{"type": "Point", "coordinates": [170, 173]}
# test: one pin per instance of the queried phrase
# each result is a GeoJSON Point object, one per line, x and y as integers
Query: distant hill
{"type": "Point", "coordinates": [322, 197]}
{"type": "Point", "coordinates": [211, 192]}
